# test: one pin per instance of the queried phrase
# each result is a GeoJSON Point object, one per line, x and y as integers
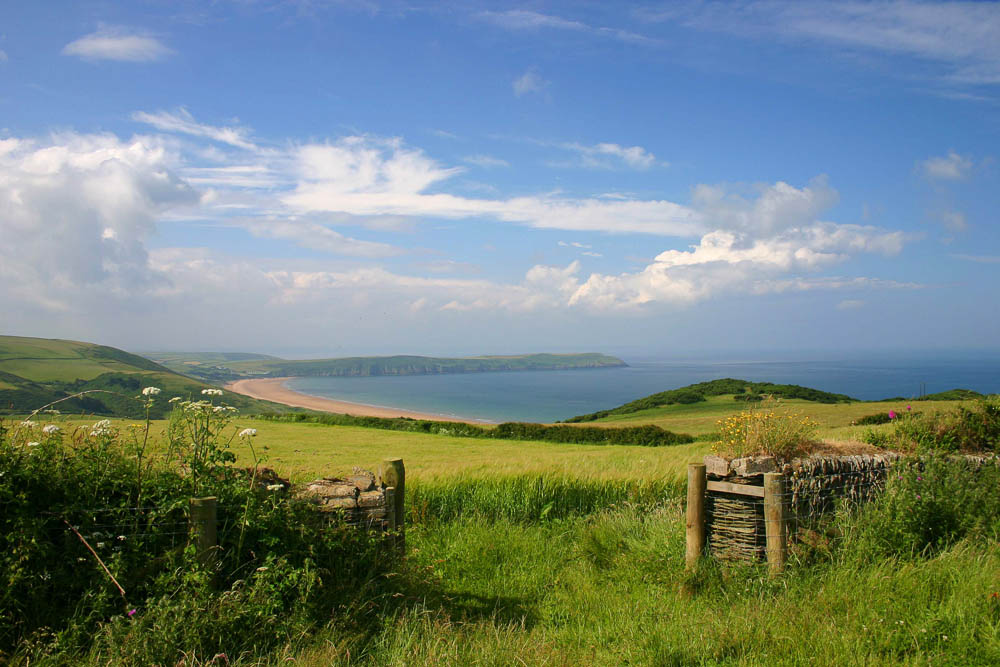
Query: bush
{"type": "Point", "coordinates": [973, 429]}
{"type": "Point", "coordinates": [281, 570]}
{"type": "Point", "coordinates": [647, 436]}
{"type": "Point", "coordinates": [929, 503]}
{"type": "Point", "coordinates": [760, 430]}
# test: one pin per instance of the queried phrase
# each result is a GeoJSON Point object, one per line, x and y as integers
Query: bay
{"type": "Point", "coordinates": [546, 396]}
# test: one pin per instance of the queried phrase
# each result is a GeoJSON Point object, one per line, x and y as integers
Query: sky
{"type": "Point", "coordinates": [337, 178]}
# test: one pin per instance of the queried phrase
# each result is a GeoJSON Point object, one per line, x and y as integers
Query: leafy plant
{"type": "Point", "coordinates": [760, 429]}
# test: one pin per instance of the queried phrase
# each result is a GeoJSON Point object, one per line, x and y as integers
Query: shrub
{"type": "Point", "coordinates": [760, 430]}
{"type": "Point", "coordinates": [929, 503]}
{"type": "Point", "coordinates": [967, 429]}
{"type": "Point", "coordinates": [73, 504]}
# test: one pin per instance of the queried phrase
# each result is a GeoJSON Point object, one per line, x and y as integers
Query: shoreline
{"type": "Point", "coordinates": [275, 390]}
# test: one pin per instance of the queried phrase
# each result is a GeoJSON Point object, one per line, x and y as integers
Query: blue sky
{"type": "Point", "coordinates": [460, 178]}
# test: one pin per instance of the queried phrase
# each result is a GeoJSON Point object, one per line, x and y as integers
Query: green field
{"type": "Point", "coordinates": [38, 371]}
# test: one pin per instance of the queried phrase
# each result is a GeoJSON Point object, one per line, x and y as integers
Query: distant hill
{"type": "Point", "coordinates": [37, 371]}
{"type": "Point", "coordinates": [219, 367]}
{"type": "Point", "coordinates": [695, 393]}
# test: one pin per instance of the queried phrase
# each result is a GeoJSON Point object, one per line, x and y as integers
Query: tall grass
{"type": "Point", "coordinates": [531, 498]}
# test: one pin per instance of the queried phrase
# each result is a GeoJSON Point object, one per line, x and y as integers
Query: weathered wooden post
{"type": "Point", "coordinates": [697, 481]}
{"type": "Point", "coordinates": [390, 508]}
{"type": "Point", "coordinates": [203, 529]}
{"type": "Point", "coordinates": [393, 473]}
{"type": "Point", "coordinates": [775, 521]}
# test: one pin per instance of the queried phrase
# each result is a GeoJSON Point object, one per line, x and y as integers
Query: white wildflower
{"type": "Point", "coordinates": [174, 399]}
{"type": "Point", "coordinates": [275, 487]}
{"type": "Point", "coordinates": [150, 391]}
{"type": "Point", "coordinates": [51, 411]}
{"type": "Point", "coordinates": [219, 408]}
{"type": "Point", "coordinates": [102, 427]}
{"type": "Point", "coordinates": [32, 444]}
{"type": "Point", "coordinates": [211, 392]}
{"type": "Point", "coordinates": [100, 545]}
{"type": "Point", "coordinates": [27, 423]}
{"type": "Point", "coordinates": [248, 433]}
{"type": "Point", "coordinates": [49, 429]}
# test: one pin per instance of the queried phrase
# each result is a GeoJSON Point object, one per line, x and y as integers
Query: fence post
{"type": "Point", "coordinates": [697, 481]}
{"type": "Point", "coordinates": [775, 521]}
{"type": "Point", "coordinates": [393, 473]}
{"type": "Point", "coordinates": [202, 526]}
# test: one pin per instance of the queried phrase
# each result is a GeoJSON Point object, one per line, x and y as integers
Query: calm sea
{"type": "Point", "coordinates": [545, 396]}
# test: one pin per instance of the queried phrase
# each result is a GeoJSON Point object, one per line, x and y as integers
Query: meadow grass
{"type": "Point", "coordinates": [610, 589]}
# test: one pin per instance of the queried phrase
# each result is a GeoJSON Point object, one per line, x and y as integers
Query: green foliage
{"type": "Point", "coordinates": [742, 389]}
{"type": "Point", "coordinates": [530, 498]}
{"type": "Point", "coordinates": [966, 429]}
{"type": "Point", "coordinates": [281, 566]}
{"type": "Point", "coordinates": [647, 435]}
{"type": "Point", "coordinates": [929, 504]}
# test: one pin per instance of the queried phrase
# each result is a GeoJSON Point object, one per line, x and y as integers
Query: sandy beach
{"type": "Point", "coordinates": [274, 389]}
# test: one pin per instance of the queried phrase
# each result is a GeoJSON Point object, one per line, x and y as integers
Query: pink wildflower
{"type": "Point", "coordinates": [892, 414]}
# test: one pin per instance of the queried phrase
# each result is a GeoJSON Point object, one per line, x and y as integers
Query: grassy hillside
{"type": "Point", "coordinates": [229, 366]}
{"type": "Point", "coordinates": [38, 371]}
{"type": "Point", "coordinates": [742, 390]}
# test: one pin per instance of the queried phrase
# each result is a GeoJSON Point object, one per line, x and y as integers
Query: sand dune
{"type": "Point", "coordinates": [274, 389]}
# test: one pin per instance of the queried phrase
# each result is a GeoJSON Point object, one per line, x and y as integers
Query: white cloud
{"type": "Point", "coordinates": [527, 20]}
{"type": "Point", "coordinates": [608, 155]}
{"type": "Point", "coordinates": [529, 82]}
{"type": "Point", "coordinates": [3, 56]}
{"type": "Point", "coordinates": [959, 35]}
{"type": "Point", "coordinates": [979, 259]}
{"type": "Point", "coordinates": [951, 167]}
{"type": "Point", "coordinates": [183, 122]}
{"type": "Point", "coordinates": [485, 161]}
{"type": "Point", "coordinates": [117, 43]}
{"type": "Point", "coordinates": [318, 237]}
{"type": "Point", "coordinates": [363, 176]}
{"type": "Point", "coordinates": [850, 304]}
{"type": "Point", "coordinates": [81, 208]}
{"type": "Point", "coordinates": [954, 221]}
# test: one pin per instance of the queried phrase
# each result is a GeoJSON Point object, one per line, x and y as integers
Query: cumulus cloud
{"type": "Point", "coordinates": [755, 243]}
{"type": "Point", "coordinates": [951, 167]}
{"type": "Point", "coordinates": [84, 207]}
{"type": "Point", "coordinates": [954, 221]}
{"type": "Point", "coordinates": [81, 208]}
{"type": "Point", "coordinates": [117, 43]}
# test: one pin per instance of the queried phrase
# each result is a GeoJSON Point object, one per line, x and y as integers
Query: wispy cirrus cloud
{"type": "Point", "coordinates": [528, 20]}
{"type": "Point", "coordinates": [181, 121]}
{"type": "Point", "coordinates": [118, 43]}
{"type": "Point", "coordinates": [959, 36]}
{"type": "Point", "coordinates": [487, 161]}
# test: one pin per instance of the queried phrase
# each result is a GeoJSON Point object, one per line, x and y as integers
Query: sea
{"type": "Point", "coordinates": [547, 396]}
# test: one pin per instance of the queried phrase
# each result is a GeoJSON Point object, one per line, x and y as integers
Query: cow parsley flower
{"type": "Point", "coordinates": [211, 392]}
{"type": "Point", "coordinates": [49, 429]}
{"type": "Point", "coordinates": [248, 433]}
{"type": "Point", "coordinates": [150, 391]}
{"type": "Point", "coordinates": [27, 423]}
{"type": "Point", "coordinates": [32, 444]}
